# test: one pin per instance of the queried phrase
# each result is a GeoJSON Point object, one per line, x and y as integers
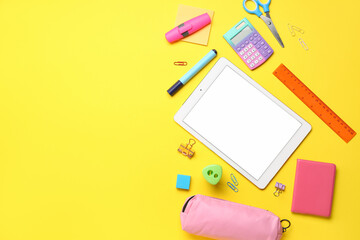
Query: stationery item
{"type": "Point", "coordinates": [313, 188]}
{"type": "Point", "coordinates": [187, 12]}
{"type": "Point", "coordinates": [183, 182]}
{"type": "Point", "coordinates": [180, 63]}
{"type": "Point", "coordinates": [279, 189]}
{"type": "Point", "coordinates": [212, 174]}
{"type": "Point", "coordinates": [192, 72]}
{"type": "Point", "coordinates": [314, 103]}
{"type": "Point", "coordinates": [303, 44]}
{"type": "Point", "coordinates": [187, 28]}
{"type": "Point", "coordinates": [248, 44]}
{"type": "Point", "coordinates": [220, 219]}
{"type": "Point", "coordinates": [242, 123]}
{"type": "Point", "coordinates": [267, 20]}
{"type": "Point", "coordinates": [186, 149]}
{"type": "Point", "coordinates": [291, 30]}
{"type": "Point", "coordinates": [233, 179]}
{"type": "Point", "coordinates": [298, 29]}
{"type": "Point", "coordinates": [235, 189]}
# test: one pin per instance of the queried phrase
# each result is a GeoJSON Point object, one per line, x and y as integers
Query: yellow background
{"type": "Point", "coordinates": [88, 145]}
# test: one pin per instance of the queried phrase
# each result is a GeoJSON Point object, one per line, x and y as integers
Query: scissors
{"type": "Point", "coordinates": [266, 19]}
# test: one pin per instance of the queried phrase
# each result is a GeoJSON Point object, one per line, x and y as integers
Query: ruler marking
{"type": "Point", "coordinates": [312, 101]}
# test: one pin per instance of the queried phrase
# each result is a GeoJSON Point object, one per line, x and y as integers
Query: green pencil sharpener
{"type": "Point", "coordinates": [212, 173]}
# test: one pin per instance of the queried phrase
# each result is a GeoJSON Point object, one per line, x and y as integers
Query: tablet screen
{"type": "Point", "coordinates": [242, 123]}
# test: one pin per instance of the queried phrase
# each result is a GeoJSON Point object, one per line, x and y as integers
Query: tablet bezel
{"type": "Point", "coordinates": [281, 158]}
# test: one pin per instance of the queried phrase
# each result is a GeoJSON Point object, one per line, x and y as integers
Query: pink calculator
{"type": "Point", "coordinates": [248, 44]}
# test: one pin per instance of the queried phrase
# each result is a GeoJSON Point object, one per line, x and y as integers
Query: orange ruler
{"type": "Point", "coordinates": [314, 103]}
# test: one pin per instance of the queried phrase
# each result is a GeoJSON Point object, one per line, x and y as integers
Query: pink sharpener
{"type": "Point", "coordinates": [187, 28]}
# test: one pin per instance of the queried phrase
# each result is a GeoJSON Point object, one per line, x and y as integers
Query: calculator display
{"type": "Point", "coordinates": [241, 35]}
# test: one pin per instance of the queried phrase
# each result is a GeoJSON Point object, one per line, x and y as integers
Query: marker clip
{"type": "Point", "coordinates": [186, 149]}
{"type": "Point", "coordinates": [279, 189]}
{"type": "Point", "coordinates": [303, 44]}
{"type": "Point", "coordinates": [232, 187]}
{"type": "Point", "coordinates": [180, 63]}
{"type": "Point", "coordinates": [233, 179]}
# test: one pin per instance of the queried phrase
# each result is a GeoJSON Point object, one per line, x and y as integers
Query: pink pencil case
{"type": "Point", "coordinates": [220, 219]}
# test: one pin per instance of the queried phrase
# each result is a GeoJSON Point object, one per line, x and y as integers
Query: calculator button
{"type": "Point", "coordinates": [260, 58]}
{"type": "Point", "coordinates": [256, 61]}
{"type": "Point", "coordinates": [262, 43]}
{"type": "Point", "coordinates": [249, 53]}
{"type": "Point", "coordinates": [255, 42]}
{"type": "Point", "coordinates": [258, 46]}
{"type": "Point", "coordinates": [257, 54]}
{"type": "Point", "coordinates": [266, 47]}
{"type": "Point", "coordinates": [252, 57]}
{"type": "Point", "coordinates": [245, 57]}
{"type": "Point", "coordinates": [255, 34]}
{"type": "Point", "coordinates": [250, 45]}
{"type": "Point", "coordinates": [251, 38]}
{"type": "Point", "coordinates": [248, 61]}
{"type": "Point", "coordinates": [242, 45]}
{"type": "Point", "coordinates": [252, 65]}
{"type": "Point", "coordinates": [242, 53]}
{"type": "Point", "coordinates": [259, 38]}
{"type": "Point", "coordinates": [238, 49]}
{"type": "Point", "coordinates": [246, 49]}
{"type": "Point", "coordinates": [269, 51]}
{"type": "Point", "coordinates": [253, 50]}
{"type": "Point", "coordinates": [246, 42]}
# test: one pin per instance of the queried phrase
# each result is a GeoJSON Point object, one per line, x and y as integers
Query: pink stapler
{"type": "Point", "coordinates": [187, 28]}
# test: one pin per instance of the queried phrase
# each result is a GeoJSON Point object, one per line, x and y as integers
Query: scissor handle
{"type": "Point", "coordinates": [257, 11]}
{"type": "Point", "coordinates": [265, 6]}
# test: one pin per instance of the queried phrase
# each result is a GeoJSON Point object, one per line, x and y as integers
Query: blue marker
{"type": "Point", "coordinates": [192, 72]}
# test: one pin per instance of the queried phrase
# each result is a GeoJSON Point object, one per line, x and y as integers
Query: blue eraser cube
{"type": "Point", "coordinates": [183, 182]}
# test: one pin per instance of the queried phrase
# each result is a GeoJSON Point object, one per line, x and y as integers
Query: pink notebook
{"type": "Point", "coordinates": [313, 188]}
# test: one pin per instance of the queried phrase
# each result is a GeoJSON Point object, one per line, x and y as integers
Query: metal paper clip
{"type": "Point", "coordinates": [186, 149]}
{"type": "Point", "coordinates": [180, 63]}
{"type": "Point", "coordinates": [232, 187]}
{"type": "Point", "coordinates": [303, 44]}
{"type": "Point", "coordinates": [298, 29]}
{"type": "Point", "coordinates": [279, 189]}
{"type": "Point", "coordinates": [291, 30]}
{"type": "Point", "coordinates": [233, 179]}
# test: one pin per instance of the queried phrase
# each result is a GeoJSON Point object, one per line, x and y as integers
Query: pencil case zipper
{"type": "Point", "coordinates": [186, 203]}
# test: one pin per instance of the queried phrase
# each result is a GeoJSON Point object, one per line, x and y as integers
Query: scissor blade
{"type": "Point", "coordinates": [272, 28]}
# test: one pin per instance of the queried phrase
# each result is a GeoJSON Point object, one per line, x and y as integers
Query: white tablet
{"type": "Point", "coordinates": [242, 123]}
